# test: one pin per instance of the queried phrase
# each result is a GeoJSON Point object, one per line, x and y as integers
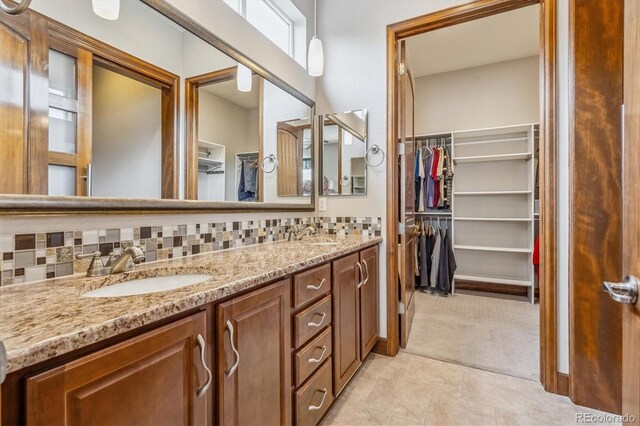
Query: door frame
{"type": "Point", "coordinates": [549, 376]}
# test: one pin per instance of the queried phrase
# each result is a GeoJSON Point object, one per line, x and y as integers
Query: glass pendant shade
{"type": "Point", "coordinates": [244, 78]}
{"type": "Point", "coordinates": [315, 64]}
{"type": "Point", "coordinates": [106, 9]}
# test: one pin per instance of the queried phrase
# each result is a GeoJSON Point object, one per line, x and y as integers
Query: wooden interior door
{"type": "Point", "coordinates": [346, 320]}
{"type": "Point", "coordinates": [23, 104]}
{"type": "Point", "coordinates": [150, 379]}
{"type": "Point", "coordinates": [70, 118]}
{"type": "Point", "coordinates": [254, 371]}
{"type": "Point", "coordinates": [631, 211]}
{"type": "Point", "coordinates": [407, 238]}
{"type": "Point", "coordinates": [369, 301]}
{"type": "Point", "coordinates": [290, 160]}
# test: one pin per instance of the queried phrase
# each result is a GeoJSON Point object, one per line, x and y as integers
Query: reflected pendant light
{"type": "Point", "coordinates": [348, 138]}
{"type": "Point", "coordinates": [315, 61]}
{"type": "Point", "coordinates": [106, 9]}
{"type": "Point", "coordinates": [243, 78]}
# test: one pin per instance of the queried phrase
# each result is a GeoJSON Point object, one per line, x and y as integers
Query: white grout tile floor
{"type": "Point", "coordinates": [413, 390]}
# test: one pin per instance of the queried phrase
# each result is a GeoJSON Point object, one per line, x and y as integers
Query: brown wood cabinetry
{"type": "Point", "coordinates": [254, 347]}
{"type": "Point", "coordinates": [369, 301]}
{"type": "Point", "coordinates": [346, 314]}
{"type": "Point", "coordinates": [154, 378]}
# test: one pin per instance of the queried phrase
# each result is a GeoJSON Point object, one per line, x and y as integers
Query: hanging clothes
{"type": "Point", "coordinates": [248, 181]}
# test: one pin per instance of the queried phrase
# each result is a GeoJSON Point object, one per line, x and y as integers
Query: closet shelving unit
{"type": "Point", "coordinates": [492, 205]}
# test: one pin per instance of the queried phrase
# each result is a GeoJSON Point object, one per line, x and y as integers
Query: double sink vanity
{"type": "Point", "coordinates": [265, 334]}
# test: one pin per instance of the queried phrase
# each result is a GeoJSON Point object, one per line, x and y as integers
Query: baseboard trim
{"type": "Point", "coordinates": [381, 346]}
{"type": "Point", "coordinates": [506, 289]}
{"type": "Point", "coordinates": [563, 384]}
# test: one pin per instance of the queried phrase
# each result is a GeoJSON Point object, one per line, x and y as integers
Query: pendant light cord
{"type": "Point", "coordinates": [315, 18]}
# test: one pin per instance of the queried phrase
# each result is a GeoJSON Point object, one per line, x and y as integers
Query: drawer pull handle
{"type": "Point", "coordinates": [207, 385]}
{"type": "Point", "coordinates": [366, 270]}
{"type": "Point", "coordinates": [324, 396]}
{"type": "Point", "coordinates": [312, 287]}
{"type": "Point", "coordinates": [234, 367]}
{"type": "Point", "coordinates": [361, 283]}
{"type": "Point", "coordinates": [317, 324]}
{"type": "Point", "coordinates": [316, 360]}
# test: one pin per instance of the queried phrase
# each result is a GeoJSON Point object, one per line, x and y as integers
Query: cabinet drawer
{"type": "Point", "coordinates": [311, 284]}
{"type": "Point", "coordinates": [309, 322]}
{"type": "Point", "coordinates": [307, 359]}
{"type": "Point", "coordinates": [315, 397]}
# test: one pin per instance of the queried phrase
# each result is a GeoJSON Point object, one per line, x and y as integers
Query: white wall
{"type": "Point", "coordinates": [501, 94]}
{"type": "Point", "coordinates": [278, 106]}
{"type": "Point", "coordinates": [127, 137]}
{"type": "Point", "coordinates": [225, 123]}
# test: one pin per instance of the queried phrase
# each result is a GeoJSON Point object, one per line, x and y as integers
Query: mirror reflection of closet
{"type": "Point", "coordinates": [344, 147]}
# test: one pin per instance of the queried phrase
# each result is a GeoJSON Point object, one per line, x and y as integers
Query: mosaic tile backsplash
{"type": "Point", "coordinates": [32, 257]}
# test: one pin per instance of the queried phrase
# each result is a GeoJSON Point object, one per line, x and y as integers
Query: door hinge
{"type": "Point", "coordinates": [401, 308]}
{"type": "Point", "coordinates": [400, 148]}
{"type": "Point", "coordinates": [401, 68]}
{"type": "Point", "coordinates": [401, 229]}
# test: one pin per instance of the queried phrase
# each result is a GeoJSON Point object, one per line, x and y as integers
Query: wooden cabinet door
{"type": "Point", "coordinates": [254, 343]}
{"type": "Point", "coordinates": [369, 301]}
{"type": "Point", "coordinates": [346, 320]}
{"type": "Point", "coordinates": [150, 379]}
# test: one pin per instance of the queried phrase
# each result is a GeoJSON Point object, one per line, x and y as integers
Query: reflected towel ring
{"type": "Point", "coordinates": [273, 159]}
{"type": "Point", "coordinates": [375, 149]}
{"type": "Point", "coordinates": [344, 181]}
{"type": "Point", "coordinates": [15, 10]}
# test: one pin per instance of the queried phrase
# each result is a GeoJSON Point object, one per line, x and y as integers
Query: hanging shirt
{"type": "Point", "coordinates": [428, 181]}
{"type": "Point", "coordinates": [419, 184]}
{"type": "Point", "coordinates": [435, 259]}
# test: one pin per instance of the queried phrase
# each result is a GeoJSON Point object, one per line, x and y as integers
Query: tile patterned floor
{"type": "Point", "coordinates": [413, 390]}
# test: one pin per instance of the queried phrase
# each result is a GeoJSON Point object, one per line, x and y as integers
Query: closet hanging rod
{"type": "Point", "coordinates": [433, 214]}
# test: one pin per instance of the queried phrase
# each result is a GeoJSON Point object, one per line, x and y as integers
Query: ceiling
{"type": "Point", "coordinates": [497, 38]}
{"type": "Point", "coordinates": [228, 90]}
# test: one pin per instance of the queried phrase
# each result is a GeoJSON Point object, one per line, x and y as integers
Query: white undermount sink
{"type": "Point", "coordinates": [323, 243]}
{"type": "Point", "coordinates": [147, 285]}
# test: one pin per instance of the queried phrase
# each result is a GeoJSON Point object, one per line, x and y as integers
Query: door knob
{"type": "Point", "coordinates": [624, 292]}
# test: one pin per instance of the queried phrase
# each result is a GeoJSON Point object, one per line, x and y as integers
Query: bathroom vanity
{"type": "Point", "coordinates": [272, 337]}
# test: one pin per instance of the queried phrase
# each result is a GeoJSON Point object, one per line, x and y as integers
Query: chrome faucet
{"type": "Point", "coordinates": [296, 233]}
{"type": "Point", "coordinates": [127, 260]}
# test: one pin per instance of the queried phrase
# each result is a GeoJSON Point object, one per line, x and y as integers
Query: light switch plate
{"type": "Point", "coordinates": [322, 204]}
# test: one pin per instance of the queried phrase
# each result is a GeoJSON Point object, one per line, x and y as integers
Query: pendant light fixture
{"type": "Point", "coordinates": [315, 61]}
{"type": "Point", "coordinates": [106, 9]}
{"type": "Point", "coordinates": [243, 78]}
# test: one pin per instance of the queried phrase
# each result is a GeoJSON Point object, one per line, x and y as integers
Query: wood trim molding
{"type": "Point", "coordinates": [596, 34]}
{"type": "Point", "coordinates": [548, 145]}
{"type": "Point", "coordinates": [562, 381]}
{"type": "Point", "coordinates": [380, 347]}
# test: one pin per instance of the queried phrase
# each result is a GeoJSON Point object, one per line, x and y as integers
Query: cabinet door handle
{"type": "Point", "coordinates": [317, 324]}
{"type": "Point", "coordinates": [361, 283]}
{"type": "Point", "coordinates": [312, 287]}
{"type": "Point", "coordinates": [324, 396]}
{"type": "Point", "coordinates": [316, 360]}
{"type": "Point", "coordinates": [234, 367]}
{"type": "Point", "coordinates": [207, 385]}
{"type": "Point", "coordinates": [366, 270]}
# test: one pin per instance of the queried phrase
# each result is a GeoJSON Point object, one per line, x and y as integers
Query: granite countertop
{"type": "Point", "coordinates": [39, 321]}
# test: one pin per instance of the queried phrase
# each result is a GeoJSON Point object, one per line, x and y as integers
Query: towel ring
{"type": "Point", "coordinates": [375, 149]}
{"type": "Point", "coordinates": [273, 159]}
{"type": "Point", "coordinates": [344, 181]}
{"type": "Point", "coordinates": [15, 10]}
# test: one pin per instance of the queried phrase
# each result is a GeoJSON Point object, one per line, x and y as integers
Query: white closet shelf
{"type": "Point", "coordinates": [494, 219]}
{"type": "Point", "coordinates": [524, 138]}
{"type": "Point", "coordinates": [498, 157]}
{"type": "Point", "coordinates": [491, 192]}
{"type": "Point", "coordinates": [524, 283]}
{"type": "Point", "coordinates": [209, 161]}
{"type": "Point", "coordinates": [496, 249]}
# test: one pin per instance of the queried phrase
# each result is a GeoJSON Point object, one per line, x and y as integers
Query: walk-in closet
{"type": "Point", "coordinates": [475, 139]}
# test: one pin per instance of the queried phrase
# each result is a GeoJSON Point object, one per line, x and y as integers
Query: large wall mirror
{"type": "Point", "coordinates": [141, 110]}
{"type": "Point", "coordinates": [343, 153]}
